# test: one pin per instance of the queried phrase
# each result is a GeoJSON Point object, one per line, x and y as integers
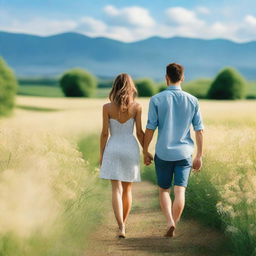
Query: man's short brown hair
{"type": "Point", "coordinates": [175, 72]}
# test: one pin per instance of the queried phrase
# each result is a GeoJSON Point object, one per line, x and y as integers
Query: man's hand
{"type": "Point", "coordinates": [197, 164]}
{"type": "Point", "coordinates": [147, 158]}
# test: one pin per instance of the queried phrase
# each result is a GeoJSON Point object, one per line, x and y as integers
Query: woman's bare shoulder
{"type": "Point", "coordinates": [137, 105]}
{"type": "Point", "coordinates": [107, 105]}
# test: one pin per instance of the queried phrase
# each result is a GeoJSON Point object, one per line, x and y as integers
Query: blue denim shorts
{"type": "Point", "coordinates": [167, 171]}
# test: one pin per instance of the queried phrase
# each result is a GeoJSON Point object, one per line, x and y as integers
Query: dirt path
{"type": "Point", "coordinates": [145, 233]}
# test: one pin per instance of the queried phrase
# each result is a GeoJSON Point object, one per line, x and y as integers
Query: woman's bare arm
{"type": "Point", "coordinates": [139, 131]}
{"type": "Point", "coordinates": [104, 132]}
{"type": "Point", "coordinates": [147, 139]}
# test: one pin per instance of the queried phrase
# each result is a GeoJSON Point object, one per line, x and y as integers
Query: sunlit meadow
{"type": "Point", "coordinates": [50, 198]}
{"type": "Point", "coordinates": [49, 202]}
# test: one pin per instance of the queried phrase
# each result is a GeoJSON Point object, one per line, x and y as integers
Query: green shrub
{"type": "Point", "coordinates": [105, 84]}
{"type": "Point", "coordinates": [78, 83]}
{"type": "Point", "coordinates": [251, 90]}
{"type": "Point", "coordinates": [162, 86]}
{"type": "Point", "coordinates": [199, 88]}
{"type": "Point", "coordinates": [8, 88]}
{"type": "Point", "coordinates": [228, 85]}
{"type": "Point", "coordinates": [145, 87]}
{"type": "Point", "coordinates": [250, 97]}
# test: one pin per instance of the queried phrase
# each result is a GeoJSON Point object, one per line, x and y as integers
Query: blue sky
{"type": "Point", "coordinates": [130, 20]}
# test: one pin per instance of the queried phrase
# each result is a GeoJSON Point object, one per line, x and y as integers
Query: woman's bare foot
{"type": "Point", "coordinates": [121, 232]}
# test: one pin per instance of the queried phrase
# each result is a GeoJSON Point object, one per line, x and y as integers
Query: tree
{"type": "Point", "coordinates": [199, 87]}
{"type": "Point", "coordinates": [8, 88]}
{"type": "Point", "coordinates": [161, 86]}
{"type": "Point", "coordinates": [145, 87]}
{"type": "Point", "coordinates": [229, 84]}
{"type": "Point", "coordinates": [78, 83]}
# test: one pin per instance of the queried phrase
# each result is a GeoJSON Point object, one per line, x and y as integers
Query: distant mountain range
{"type": "Point", "coordinates": [31, 55]}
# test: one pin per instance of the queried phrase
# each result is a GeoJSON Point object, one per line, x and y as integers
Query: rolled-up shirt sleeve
{"type": "Point", "coordinates": [152, 115]}
{"type": "Point", "coordinates": [197, 120]}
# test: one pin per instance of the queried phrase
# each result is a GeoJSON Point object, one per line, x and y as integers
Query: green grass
{"type": "Point", "coordinates": [38, 81]}
{"type": "Point", "coordinates": [198, 88]}
{"type": "Point", "coordinates": [102, 92]}
{"type": "Point", "coordinates": [40, 90]}
{"type": "Point", "coordinates": [77, 218]}
{"type": "Point", "coordinates": [222, 195]}
{"type": "Point", "coordinates": [33, 108]}
{"type": "Point", "coordinates": [251, 90]}
{"type": "Point", "coordinates": [148, 173]}
{"type": "Point", "coordinates": [89, 146]}
{"type": "Point", "coordinates": [53, 91]}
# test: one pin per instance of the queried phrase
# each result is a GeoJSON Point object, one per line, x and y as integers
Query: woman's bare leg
{"type": "Point", "coordinates": [117, 203]}
{"type": "Point", "coordinates": [127, 199]}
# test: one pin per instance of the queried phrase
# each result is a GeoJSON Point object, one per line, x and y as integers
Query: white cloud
{"type": "Point", "coordinates": [134, 16]}
{"type": "Point", "coordinates": [130, 27]}
{"type": "Point", "coordinates": [38, 25]}
{"type": "Point", "coordinates": [111, 10]}
{"type": "Point", "coordinates": [247, 28]}
{"type": "Point", "coordinates": [183, 17]}
{"type": "Point", "coordinates": [91, 25]}
{"type": "Point", "coordinates": [219, 28]}
{"type": "Point", "coordinates": [250, 20]}
{"type": "Point", "coordinates": [202, 10]}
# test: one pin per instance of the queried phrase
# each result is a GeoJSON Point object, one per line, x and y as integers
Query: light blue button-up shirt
{"type": "Point", "coordinates": [173, 111]}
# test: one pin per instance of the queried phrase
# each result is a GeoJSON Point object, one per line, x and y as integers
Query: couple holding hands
{"type": "Point", "coordinates": [172, 112]}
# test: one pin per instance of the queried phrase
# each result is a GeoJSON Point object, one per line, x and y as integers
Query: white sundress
{"type": "Point", "coordinates": [121, 157]}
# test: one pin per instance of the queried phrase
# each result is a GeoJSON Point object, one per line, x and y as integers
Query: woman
{"type": "Point", "coordinates": [120, 155]}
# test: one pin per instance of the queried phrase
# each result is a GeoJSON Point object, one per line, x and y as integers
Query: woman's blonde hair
{"type": "Point", "coordinates": [123, 91]}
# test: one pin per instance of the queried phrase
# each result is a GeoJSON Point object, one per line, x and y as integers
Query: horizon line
{"type": "Point", "coordinates": [125, 42]}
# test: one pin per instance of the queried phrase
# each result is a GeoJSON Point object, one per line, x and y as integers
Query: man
{"type": "Point", "coordinates": [173, 111]}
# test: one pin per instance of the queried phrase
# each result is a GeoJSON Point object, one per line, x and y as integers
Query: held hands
{"type": "Point", "coordinates": [100, 161]}
{"type": "Point", "coordinates": [148, 158]}
{"type": "Point", "coordinates": [197, 163]}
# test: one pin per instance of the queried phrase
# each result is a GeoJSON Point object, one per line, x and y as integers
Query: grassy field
{"type": "Point", "coordinates": [50, 195]}
{"type": "Point", "coordinates": [40, 90]}
{"type": "Point", "coordinates": [52, 91]}
{"type": "Point", "coordinates": [198, 87]}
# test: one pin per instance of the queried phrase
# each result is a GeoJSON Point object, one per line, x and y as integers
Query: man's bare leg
{"type": "Point", "coordinates": [178, 203]}
{"type": "Point", "coordinates": [166, 206]}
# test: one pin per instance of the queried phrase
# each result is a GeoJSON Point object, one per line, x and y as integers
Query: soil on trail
{"type": "Point", "coordinates": [145, 230]}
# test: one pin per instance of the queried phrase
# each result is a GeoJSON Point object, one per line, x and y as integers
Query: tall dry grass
{"type": "Point", "coordinates": [50, 199]}
{"type": "Point", "coordinates": [223, 194]}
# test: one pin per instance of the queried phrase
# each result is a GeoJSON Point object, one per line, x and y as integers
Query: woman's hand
{"type": "Point", "coordinates": [100, 161]}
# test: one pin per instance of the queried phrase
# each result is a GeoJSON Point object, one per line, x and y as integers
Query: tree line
{"type": "Point", "coordinates": [229, 84]}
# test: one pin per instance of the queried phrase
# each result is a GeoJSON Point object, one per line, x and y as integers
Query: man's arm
{"type": "Point", "coordinates": [197, 163]}
{"type": "Point", "coordinates": [197, 122]}
{"type": "Point", "coordinates": [147, 139]}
